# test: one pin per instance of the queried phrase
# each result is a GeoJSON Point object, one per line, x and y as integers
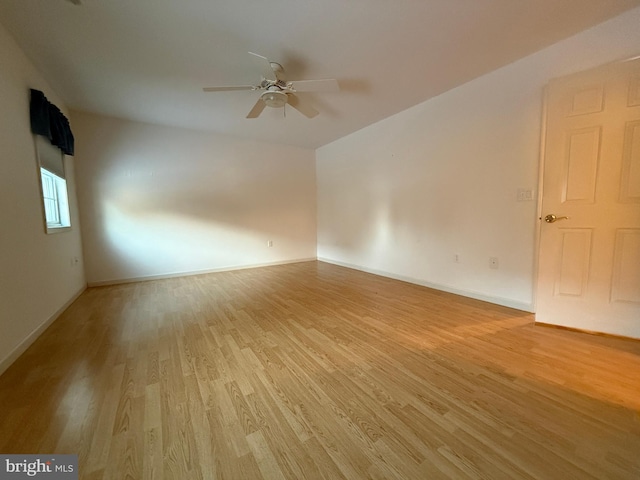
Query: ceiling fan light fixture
{"type": "Point", "coordinates": [277, 92]}
{"type": "Point", "coordinates": [274, 98]}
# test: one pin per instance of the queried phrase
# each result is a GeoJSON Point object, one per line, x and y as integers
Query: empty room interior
{"type": "Point", "coordinates": [320, 240]}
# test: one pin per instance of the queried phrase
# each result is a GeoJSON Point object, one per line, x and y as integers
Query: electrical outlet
{"type": "Point", "coordinates": [456, 258]}
{"type": "Point", "coordinates": [493, 263]}
{"type": "Point", "coordinates": [270, 243]}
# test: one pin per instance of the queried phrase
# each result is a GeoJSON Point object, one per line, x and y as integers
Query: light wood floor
{"type": "Point", "coordinates": [310, 371]}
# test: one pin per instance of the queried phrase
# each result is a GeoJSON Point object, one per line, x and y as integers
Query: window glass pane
{"type": "Point", "coordinates": [48, 190]}
{"type": "Point", "coordinates": [54, 196]}
{"type": "Point", "coordinates": [49, 210]}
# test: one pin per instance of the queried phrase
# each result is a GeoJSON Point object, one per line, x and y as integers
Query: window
{"type": "Point", "coordinates": [54, 186]}
{"type": "Point", "coordinates": [56, 204]}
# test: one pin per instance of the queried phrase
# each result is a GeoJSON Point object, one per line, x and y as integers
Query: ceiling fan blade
{"type": "Point", "coordinates": [257, 109]}
{"type": "Point", "coordinates": [265, 67]}
{"type": "Point", "coordinates": [326, 85]}
{"type": "Point", "coordinates": [229, 88]}
{"type": "Point", "coordinates": [304, 108]}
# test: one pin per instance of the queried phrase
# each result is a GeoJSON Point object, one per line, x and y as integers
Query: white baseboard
{"type": "Point", "coordinates": [505, 302]}
{"type": "Point", "coordinates": [163, 276]}
{"type": "Point", "coordinates": [6, 362]}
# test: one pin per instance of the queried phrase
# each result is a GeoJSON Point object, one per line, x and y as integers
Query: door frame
{"type": "Point", "coordinates": [540, 191]}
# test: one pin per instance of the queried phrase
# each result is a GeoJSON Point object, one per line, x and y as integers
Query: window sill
{"type": "Point", "coordinates": [50, 230]}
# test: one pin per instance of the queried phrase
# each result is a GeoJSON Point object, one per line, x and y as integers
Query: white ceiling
{"type": "Point", "coordinates": [148, 60]}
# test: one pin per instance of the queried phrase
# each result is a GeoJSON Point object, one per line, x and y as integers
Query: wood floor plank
{"type": "Point", "coordinates": [313, 371]}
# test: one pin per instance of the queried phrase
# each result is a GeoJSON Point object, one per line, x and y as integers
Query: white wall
{"type": "Point", "coordinates": [37, 277]}
{"type": "Point", "coordinates": [158, 201]}
{"type": "Point", "coordinates": [403, 196]}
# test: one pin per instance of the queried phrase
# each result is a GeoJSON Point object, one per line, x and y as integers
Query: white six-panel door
{"type": "Point", "coordinates": [589, 263]}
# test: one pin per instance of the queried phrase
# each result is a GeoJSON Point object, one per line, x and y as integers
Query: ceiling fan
{"type": "Point", "coordinates": [278, 91]}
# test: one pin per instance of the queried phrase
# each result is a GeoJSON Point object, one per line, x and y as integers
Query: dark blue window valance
{"type": "Point", "coordinates": [47, 120]}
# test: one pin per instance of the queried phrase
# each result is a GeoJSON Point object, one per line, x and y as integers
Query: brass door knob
{"type": "Point", "coordinates": [552, 218]}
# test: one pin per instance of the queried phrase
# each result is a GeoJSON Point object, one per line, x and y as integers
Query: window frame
{"type": "Point", "coordinates": [54, 191]}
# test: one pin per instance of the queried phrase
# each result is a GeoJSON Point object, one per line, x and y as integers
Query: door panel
{"type": "Point", "coordinates": [573, 262]}
{"type": "Point", "coordinates": [630, 178]}
{"type": "Point", "coordinates": [626, 275]}
{"type": "Point", "coordinates": [634, 91]}
{"type": "Point", "coordinates": [586, 100]}
{"type": "Point", "coordinates": [581, 165]}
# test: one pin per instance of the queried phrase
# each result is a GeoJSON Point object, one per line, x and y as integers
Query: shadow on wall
{"type": "Point", "coordinates": [151, 239]}
{"type": "Point", "coordinates": [159, 201]}
{"type": "Point", "coordinates": [155, 231]}
{"type": "Point", "coordinates": [395, 211]}
{"type": "Point", "coordinates": [403, 215]}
